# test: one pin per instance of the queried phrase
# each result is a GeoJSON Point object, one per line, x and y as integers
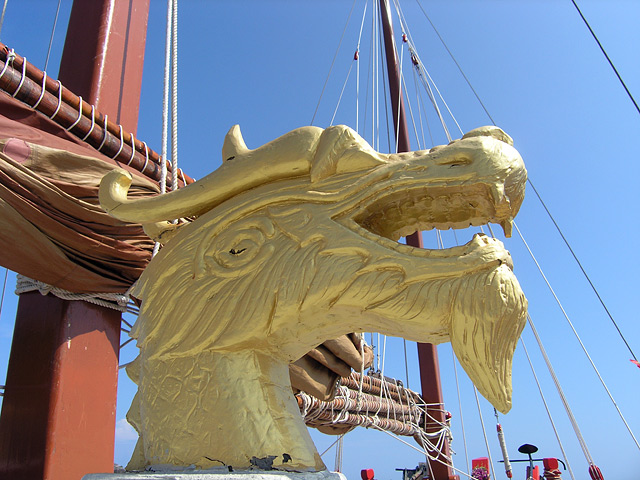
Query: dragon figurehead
{"type": "Point", "coordinates": [294, 243]}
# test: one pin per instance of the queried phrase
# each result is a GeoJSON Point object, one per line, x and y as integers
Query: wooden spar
{"type": "Point", "coordinates": [427, 353]}
{"type": "Point", "coordinates": [59, 100]}
{"type": "Point", "coordinates": [58, 412]}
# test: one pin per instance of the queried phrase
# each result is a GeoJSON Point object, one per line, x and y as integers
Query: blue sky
{"type": "Point", "coordinates": [542, 78]}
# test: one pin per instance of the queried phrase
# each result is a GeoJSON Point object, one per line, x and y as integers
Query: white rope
{"type": "Point", "coordinates": [4, 9]}
{"type": "Point", "coordinates": [503, 446]}
{"type": "Point", "coordinates": [59, 101]}
{"type": "Point", "coordinates": [364, 13]}
{"type": "Point", "coordinates": [104, 131]}
{"type": "Point", "coordinates": [423, 452]}
{"type": "Point", "coordinates": [42, 91]}
{"type": "Point", "coordinates": [22, 77]}
{"type": "Point", "coordinates": [11, 56]}
{"type": "Point", "coordinates": [53, 32]}
{"type": "Point", "coordinates": [421, 68]}
{"type": "Point", "coordinates": [93, 118]}
{"type": "Point", "coordinates": [174, 98]}
{"type": "Point", "coordinates": [133, 150]}
{"type": "Point", "coordinates": [344, 85]}
{"type": "Point", "coordinates": [121, 144]}
{"type": "Point", "coordinates": [563, 398]}
{"type": "Point", "coordinates": [333, 62]}
{"type": "Point", "coordinates": [329, 447]}
{"type": "Point", "coordinates": [165, 98]}
{"type": "Point", "coordinates": [338, 461]}
{"type": "Point", "coordinates": [464, 436]}
{"type": "Point", "coordinates": [79, 116]}
{"type": "Point", "coordinates": [484, 431]}
{"type": "Point", "coordinates": [584, 349]}
{"type": "Point", "coordinates": [116, 301]}
{"type": "Point", "coordinates": [544, 401]}
{"type": "Point", "coordinates": [401, 78]}
{"type": "Point", "coordinates": [361, 382]}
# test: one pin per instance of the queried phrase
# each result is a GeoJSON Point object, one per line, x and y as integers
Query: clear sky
{"type": "Point", "coordinates": [543, 80]}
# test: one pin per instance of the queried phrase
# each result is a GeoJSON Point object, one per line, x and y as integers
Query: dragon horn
{"type": "Point", "coordinates": [287, 156]}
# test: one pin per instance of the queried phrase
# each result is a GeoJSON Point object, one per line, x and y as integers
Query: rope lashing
{"type": "Point", "coordinates": [503, 447]}
{"type": "Point", "coordinates": [115, 301]}
{"type": "Point", "coordinates": [33, 87]}
{"type": "Point", "coordinates": [595, 473]}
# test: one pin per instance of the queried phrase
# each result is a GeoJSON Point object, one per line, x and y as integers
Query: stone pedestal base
{"type": "Point", "coordinates": [217, 474]}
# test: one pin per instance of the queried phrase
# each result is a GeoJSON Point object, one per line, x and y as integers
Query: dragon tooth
{"type": "Point", "coordinates": [507, 227]}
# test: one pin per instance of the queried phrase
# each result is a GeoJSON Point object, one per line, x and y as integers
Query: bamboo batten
{"type": "Point", "coordinates": [396, 409]}
{"type": "Point", "coordinates": [34, 88]}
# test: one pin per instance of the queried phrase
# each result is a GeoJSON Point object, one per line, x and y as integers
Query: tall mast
{"type": "Point", "coordinates": [59, 408]}
{"type": "Point", "coordinates": [427, 352]}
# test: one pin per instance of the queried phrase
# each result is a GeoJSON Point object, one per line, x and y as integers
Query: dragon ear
{"type": "Point", "coordinates": [161, 232]}
{"type": "Point", "coordinates": [233, 144]}
{"type": "Point", "coordinates": [342, 150]}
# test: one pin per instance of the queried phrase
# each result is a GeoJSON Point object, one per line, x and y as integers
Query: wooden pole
{"type": "Point", "coordinates": [427, 352]}
{"type": "Point", "coordinates": [58, 413]}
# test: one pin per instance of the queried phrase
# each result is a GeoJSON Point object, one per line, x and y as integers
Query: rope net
{"type": "Point", "coordinates": [375, 401]}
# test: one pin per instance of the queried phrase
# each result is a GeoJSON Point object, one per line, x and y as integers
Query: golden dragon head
{"type": "Point", "coordinates": [295, 242]}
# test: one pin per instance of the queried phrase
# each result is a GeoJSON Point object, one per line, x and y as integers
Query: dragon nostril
{"type": "Point", "coordinates": [233, 251]}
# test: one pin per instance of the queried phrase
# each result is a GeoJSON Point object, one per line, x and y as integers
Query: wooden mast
{"type": "Point", "coordinates": [427, 352]}
{"type": "Point", "coordinates": [58, 414]}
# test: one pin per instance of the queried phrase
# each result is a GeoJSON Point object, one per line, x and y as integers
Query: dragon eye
{"type": "Point", "coordinates": [233, 251]}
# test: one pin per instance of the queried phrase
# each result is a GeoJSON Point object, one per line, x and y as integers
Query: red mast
{"type": "Point", "coordinates": [58, 415]}
{"type": "Point", "coordinates": [427, 352]}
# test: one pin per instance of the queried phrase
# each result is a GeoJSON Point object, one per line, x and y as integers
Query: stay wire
{"type": "Point", "coordinates": [484, 431]}
{"type": "Point", "coordinates": [333, 62]}
{"type": "Point", "coordinates": [464, 435]}
{"type": "Point", "coordinates": [53, 32]}
{"type": "Point", "coordinates": [357, 58]}
{"type": "Point", "coordinates": [575, 257]}
{"type": "Point", "coordinates": [606, 56]}
{"type": "Point", "coordinates": [4, 288]}
{"type": "Point", "coordinates": [344, 85]}
{"type": "Point", "coordinates": [456, 62]}
{"type": "Point", "coordinates": [4, 9]}
{"type": "Point", "coordinates": [584, 348]}
{"type": "Point", "coordinates": [529, 179]}
{"type": "Point", "coordinates": [563, 398]}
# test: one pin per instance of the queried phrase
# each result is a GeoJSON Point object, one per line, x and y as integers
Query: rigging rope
{"type": "Point", "coordinates": [356, 57]}
{"type": "Point", "coordinates": [344, 85]}
{"type": "Point", "coordinates": [544, 401]}
{"type": "Point", "coordinates": [4, 288]}
{"type": "Point", "coordinates": [174, 97]}
{"type": "Point", "coordinates": [4, 9]}
{"type": "Point", "coordinates": [529, 180]}
{"type": "Point", "coordinates": [567, 408]}
{"type": "Point", "coordinates": [53, 31]}
{"type": "Point", "coordinates": [575, 257]}
{"type": "Point", "coordinates": [165, 97]}
{"type": "Point", "coordinates": [484, 431]}
{"type": "Point", "coordinates": [566, 316]}
{"type": "Point", "coordinates": [606, 56]}
{"type": "Point", "coordinates": [464, 435]}
{"type": "Point", "coordinates": [503, 446]}
{"type": "Point", "coordinates": [456, 62]}
{"type": "Point", "coordinates": [332, 63]}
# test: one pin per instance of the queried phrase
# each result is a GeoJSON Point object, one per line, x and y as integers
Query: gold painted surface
{"type": "Point", "coordinates": [294, 244]}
